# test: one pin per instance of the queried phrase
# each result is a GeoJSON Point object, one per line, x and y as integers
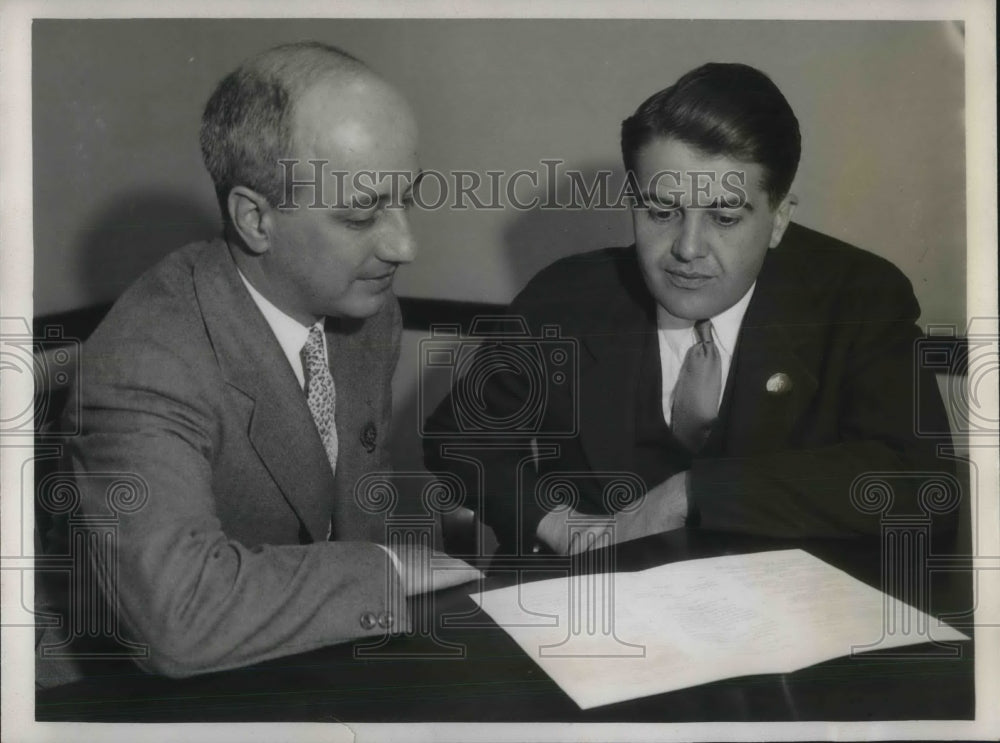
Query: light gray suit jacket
{"type": "Point", "coordinates": [226, 563]}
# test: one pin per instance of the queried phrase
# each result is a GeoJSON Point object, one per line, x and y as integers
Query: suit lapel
{"type": "Point", "coordinates": [771, 382]}
{"type": "Point", "coordinates": [354, 364]}
{"type": "Point", "coordinates": [251, 360]}
{"type": "Point", "coordinates": [609, 376]}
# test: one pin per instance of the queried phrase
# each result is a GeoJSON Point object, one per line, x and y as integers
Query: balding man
{"type": "Point", "coordinates": [246, 381]}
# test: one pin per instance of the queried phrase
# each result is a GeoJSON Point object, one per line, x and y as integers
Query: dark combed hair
{"type": "Point", "coordinates": [246, 127]}
{"type": "Point", "coordinates": [725, 109]}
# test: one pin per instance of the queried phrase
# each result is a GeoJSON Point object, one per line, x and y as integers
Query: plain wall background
{"type": "Point", "coordinates": [119, 182]}
{"type": "Point", "coordinates": [118, 179]}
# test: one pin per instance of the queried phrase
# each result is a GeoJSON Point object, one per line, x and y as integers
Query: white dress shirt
{"type": "Point", "coordinates": [674, 344]}
{"type": "Point", "coordinates": [292, 336]}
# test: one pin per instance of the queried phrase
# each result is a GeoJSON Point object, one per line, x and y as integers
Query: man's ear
{"type": "Point", "coordinates": [782, 216]}
{"type": "Point", "coordinates": [251, 216]}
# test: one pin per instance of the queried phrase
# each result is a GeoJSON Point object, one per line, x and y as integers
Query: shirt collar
{"type": "Point", "coordinates": [291, 334]}
{"type": "Point", "coordinates": [725, 325]}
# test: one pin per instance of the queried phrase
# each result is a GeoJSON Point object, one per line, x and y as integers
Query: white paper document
{"type": "Point", "coordinates": [611, 637]}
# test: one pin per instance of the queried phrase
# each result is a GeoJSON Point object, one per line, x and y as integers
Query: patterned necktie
{"type": "Point", "coordinates": [320, 393]}
{"type": "Point", "coordinates": [696, 396]}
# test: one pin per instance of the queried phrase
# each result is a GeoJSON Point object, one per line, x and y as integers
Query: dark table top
{"type": "Point", "coordinates": [452, 669]}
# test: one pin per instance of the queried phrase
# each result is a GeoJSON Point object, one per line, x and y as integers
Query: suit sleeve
{"type": "Point", "coordinates": [199, 600]}
{"type": "Point", "coordinates": [820, 491]}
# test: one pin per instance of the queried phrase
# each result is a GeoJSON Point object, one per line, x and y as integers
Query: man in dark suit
{"type": "Point", "coordinates": [242, 386]}
{"type": "Point", "coordinates": [746, 371]}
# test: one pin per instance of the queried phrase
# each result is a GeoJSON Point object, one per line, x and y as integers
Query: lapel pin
{"type": "Point", "coordinates": [779, 384]}
{"type": "Point", "coordinates": [369, 435]}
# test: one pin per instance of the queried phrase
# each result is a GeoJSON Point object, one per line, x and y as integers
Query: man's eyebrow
{"type": "Point", "coordinates": [361, 202]}
{"type": "Point", "coordinates": [378, 203]}
{"type": "Point", "coordinates": [646, 197]}
{"type": "Point", "coordinates": [720, 204]}
{"type": "Point", "coordinates": [670, 201]}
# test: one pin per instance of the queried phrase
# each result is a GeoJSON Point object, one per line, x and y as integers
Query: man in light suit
{"type": "Point", "coordinates": [748, 371]}
{"type": "Point", "coordinates": [244, 383]}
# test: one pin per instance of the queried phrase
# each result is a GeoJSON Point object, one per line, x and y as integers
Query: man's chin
{"type": "Point", "coordinates": [361, 307]}
{"type": "Point", "coordinates": [691, 306]}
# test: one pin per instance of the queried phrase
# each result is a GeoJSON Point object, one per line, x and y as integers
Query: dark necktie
{"type": "Point", "coordinates": [696, 396]}
{"type": "Point", "coordinates": [320, 393]}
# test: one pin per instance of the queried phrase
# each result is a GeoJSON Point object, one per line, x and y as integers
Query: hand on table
{"type": "Point", "coordinates": [422, 570]}
{"type": "Point", "coordinates": [553, 531]}
{"type": "Point", "coordinates": [663, 508]}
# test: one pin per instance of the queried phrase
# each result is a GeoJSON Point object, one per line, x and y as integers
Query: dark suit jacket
{"type": "Point", "coordinates": [226, 563]}
{"type": "Point", "coordinates": [837, 321]}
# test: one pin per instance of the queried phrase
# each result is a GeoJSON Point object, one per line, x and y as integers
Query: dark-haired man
{"type": "Point", "coordinates": [745, 368]}
{"type": "Point", "coordinates": [246, 381]}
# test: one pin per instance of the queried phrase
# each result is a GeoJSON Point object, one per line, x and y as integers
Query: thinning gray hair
{"type": "Point", "coordinates": [246, 127]}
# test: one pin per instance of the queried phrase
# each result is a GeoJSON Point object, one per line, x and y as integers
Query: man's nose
{"type": "Point", "coordinates": [397, 244]}
{"type": "Point", "coordinates": [688, 243]}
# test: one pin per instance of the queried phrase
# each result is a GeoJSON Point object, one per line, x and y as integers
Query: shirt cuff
{"type": "Point", "coordinates": [395, 560]}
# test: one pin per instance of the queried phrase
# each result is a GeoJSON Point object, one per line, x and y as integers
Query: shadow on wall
{"type": "Point", "coordinates": [133, 233]}
{"type": "Point", "coordinates": [538, 237]}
